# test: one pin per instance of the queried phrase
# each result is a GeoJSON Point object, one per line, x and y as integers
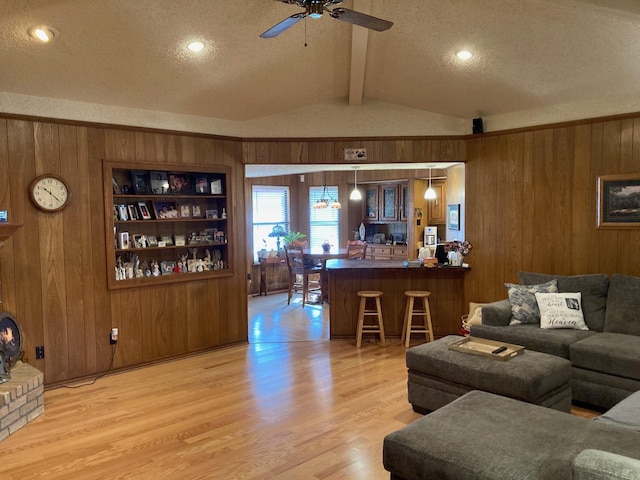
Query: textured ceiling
{"type": "Point", "coordinates": [535, 61]}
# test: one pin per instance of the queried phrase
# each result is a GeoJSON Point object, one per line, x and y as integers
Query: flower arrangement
{"type": "Point", "coordinates": [463, 248]}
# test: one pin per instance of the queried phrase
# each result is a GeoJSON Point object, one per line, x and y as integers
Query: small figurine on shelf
{"type": "Point", "coordinates": [155, 268]}
{"type": "Point", "coordinates": [224, 212]}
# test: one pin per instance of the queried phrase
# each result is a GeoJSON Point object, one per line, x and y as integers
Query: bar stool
{"type": "Point", "coordinates": [408, 328]}
{"type": "Point", "coordinates": [379, 328]}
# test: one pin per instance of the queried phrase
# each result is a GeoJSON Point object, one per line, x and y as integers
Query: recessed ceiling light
{"type": "Point", "coordinates": [196, 46]}
{"type": "Point", "coordinates": [43, 33]}
{"type": "Point", "coordinates": [464, 55]}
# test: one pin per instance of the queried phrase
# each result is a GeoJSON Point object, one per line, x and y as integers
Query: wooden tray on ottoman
{"type": "Point", "coordinates": [484, 347]}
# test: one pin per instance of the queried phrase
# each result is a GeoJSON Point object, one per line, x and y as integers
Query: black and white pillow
{"type": "Point", "coordinates": [561, 310]}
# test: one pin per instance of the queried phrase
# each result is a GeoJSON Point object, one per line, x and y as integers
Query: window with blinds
{"type": "Point", "coordinates": [324, 222]}
{"type": "Point", "coordinates": [270, 208]}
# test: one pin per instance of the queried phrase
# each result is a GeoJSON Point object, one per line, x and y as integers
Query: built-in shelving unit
{"type": "Point", "coordinates": [166, 223]}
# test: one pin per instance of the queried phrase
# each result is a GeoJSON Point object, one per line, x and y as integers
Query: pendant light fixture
{"type": "Point", "coordinates": [355, 194]}
{"type": "Point", "coordinates": [326, 200]}
{"type": "Point", "coordinates": [430, 194]}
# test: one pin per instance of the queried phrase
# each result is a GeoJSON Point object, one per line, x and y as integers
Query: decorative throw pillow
{"type": "Point", "coordinates": [475, 314]}
{"type": "Point", "coordinates": [524, 308]}
{"type": "Point", "coordinates": [561, 310]}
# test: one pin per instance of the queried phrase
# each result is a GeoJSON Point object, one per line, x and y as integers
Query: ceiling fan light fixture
{"type": "Point", "coordinates": [464, 55]}
{"type": "Point", "coordinates": [315, 10]}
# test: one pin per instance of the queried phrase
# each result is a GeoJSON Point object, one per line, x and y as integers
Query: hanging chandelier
{"type": "Point", "coordinates": [326, 200]}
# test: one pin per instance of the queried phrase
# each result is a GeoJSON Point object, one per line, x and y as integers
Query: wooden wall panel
{"type": "Point", "coordinates": [55, 277]}
{"type": "Point", "coordinates": [544, 219]}
{"type": "Point", "coordinates": [530, 205]}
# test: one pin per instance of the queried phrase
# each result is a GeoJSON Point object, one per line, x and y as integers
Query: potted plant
{"type": "Point", "coordinates": [293, 236]}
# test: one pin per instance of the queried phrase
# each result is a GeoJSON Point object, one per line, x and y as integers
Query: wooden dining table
{"type": "Point", "coordinates": [317, 254]}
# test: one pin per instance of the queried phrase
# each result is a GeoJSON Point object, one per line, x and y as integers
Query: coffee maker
{"type": "Point", "coordinates": [431, 240]}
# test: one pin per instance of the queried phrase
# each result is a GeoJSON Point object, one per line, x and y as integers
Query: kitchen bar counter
{"type": "Point", "coordinates": [347, 277]}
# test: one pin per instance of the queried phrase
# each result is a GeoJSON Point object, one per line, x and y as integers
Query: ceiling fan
{"type": "Point", "coordinates": [315, 9]}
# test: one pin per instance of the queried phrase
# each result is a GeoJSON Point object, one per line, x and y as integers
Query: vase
{"type": "Point", "coordinates": [455, 259]}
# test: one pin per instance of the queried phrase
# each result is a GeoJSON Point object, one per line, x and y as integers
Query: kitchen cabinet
{"type": "Point", "coordinates": [404, 201]}
{"type": "Point", "coordinates": [386, 252]}
{"type": "Point", "coordinates": [389, 203]}
{"type": "Point", "coordinates": [386, 202]}
{"type": "Point", "coordinates": [371, 203]}
{"type": "Point", "coordinates": [438, 206]}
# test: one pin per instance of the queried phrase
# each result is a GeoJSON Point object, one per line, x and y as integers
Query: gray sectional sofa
{"type": "Point", "coordinates": [605, 358]}
{"type": "Point", "coordinates": [485, 436]}
{"type": "Point", "coordinates": [482, 435]}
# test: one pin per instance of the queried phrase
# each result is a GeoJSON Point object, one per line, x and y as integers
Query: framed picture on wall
{"type": "Point", "coordinates": [453, 216]}
{"type": "Point", "coordinates": [618, 201]}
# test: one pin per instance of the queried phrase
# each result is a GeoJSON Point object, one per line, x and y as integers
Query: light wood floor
{"type": "Point", "coordinates": [305, 408]}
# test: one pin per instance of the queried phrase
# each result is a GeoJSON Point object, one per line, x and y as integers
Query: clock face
{"type": "Point", "coordinates": [49, 193]}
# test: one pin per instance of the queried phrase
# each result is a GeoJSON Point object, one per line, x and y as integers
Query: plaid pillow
{"type": "Point", "coordinates": [524, 308]}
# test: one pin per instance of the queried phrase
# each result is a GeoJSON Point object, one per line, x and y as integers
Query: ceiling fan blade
{"type": "Point", "coordinates": [283, 25]}
{"type": "Point", "coordinates": [361, 19]}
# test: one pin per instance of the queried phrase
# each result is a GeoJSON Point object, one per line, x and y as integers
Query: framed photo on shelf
{"type": "Point", "coordinates": [139, 240]}
{"type": "Point", "coordinates": [185, 211]}
{"type": "Point", "coordinates": [133, 212]}
{"type": "Point", "coordinates": [167, 267]}
{"type": "Point", "coordinates": [618, 201]}
{"type": "Point", "coordinates": [145, 214]}
{"type": "Point", "coordinates": [123, 212]}
{"type": "Point", "coordinates": [216, 187]}
{"type": "Point", "coordinates": [201, 184]}
{"type": "Point", "coordinates": [453, 216]}
{"type": "Point", "coordinates": [166, 239]}
{"type": "Point", "coordinates": [195, 210]}
{"type": "Point", "coordinates": [123, 240]}
{"type": "Point", "coordinates": [179, 240]}
{"type": "Point", "coordinates": [179, 183]}
{"type": "Point", "coordinates": [139, 180]}
{"type": "Point", "coordinates": [165, 210]}
{"type": "Point", "coordinates": [152, 241]}
{"type": "Point", "coordinates": [159, 182]}
{"type": "Point", "coordinates": [211, 213]}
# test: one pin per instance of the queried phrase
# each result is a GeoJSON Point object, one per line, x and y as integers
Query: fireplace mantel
{"type": "Point", "coordinates": [6, 230]}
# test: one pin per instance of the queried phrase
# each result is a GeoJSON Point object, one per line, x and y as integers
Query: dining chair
{"type": "Point", "coordinates": [356, 250]}
{"type": "Point", "coordinates": [303, 278]}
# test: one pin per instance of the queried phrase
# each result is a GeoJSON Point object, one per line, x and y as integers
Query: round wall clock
{"type": "Point", "coordinates": [49, 193]}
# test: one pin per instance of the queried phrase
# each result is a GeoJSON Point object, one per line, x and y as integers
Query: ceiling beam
{"type": "Point", "coordinates": [359, 41]}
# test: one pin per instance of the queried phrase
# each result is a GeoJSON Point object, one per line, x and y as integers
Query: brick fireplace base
{"type": "Point", "coordinates": [21, 398]}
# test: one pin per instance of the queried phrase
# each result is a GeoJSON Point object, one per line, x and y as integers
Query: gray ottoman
{"type": "Point", "coordinates": [485, 436]}
{"type": "Point", "coordinates": [438, 376]}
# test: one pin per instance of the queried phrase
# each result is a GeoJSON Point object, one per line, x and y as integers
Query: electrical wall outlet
{"type": "Point", "coordinates": [39, 352]}
{"type": "Point", "coordinates": [113, 336]}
